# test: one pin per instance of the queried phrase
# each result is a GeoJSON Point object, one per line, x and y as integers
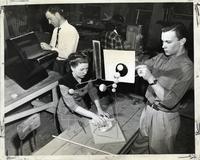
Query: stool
{"type": "Point", "coordinates": [26, 127]}
{"type": "Point", "coordinates": [38, 103]}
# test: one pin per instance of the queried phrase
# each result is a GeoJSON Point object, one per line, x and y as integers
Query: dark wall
{"type": "Point", "coordinates": [165, 13]}
{"type": "Point", "coordinates": [22, 19]}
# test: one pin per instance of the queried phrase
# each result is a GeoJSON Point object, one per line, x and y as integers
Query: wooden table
{"type": "Point", "coordinates": [15, 96]}
{"type": "Point", "coordinates": [128, 115]}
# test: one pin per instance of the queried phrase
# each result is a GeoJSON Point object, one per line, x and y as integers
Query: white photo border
{"type": "Point", "coordinates": [196, 25]}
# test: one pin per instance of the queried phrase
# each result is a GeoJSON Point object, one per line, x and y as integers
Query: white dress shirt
{"type": "Point", "coordinates": [67, 40]}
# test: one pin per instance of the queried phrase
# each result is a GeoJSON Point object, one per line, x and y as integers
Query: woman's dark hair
{"type": "Point", "coordinates": [76, 58]}
{"type": "Point", "coordinates": [54, 9]}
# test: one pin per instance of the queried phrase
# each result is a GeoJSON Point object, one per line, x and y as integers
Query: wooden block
{"type": "Point", "coordinates": [113, 135]}
{"type": "Point", "coordinates": [128, 122]}
{"type": "Point", "coordinates": [28, 126]}
{"type": "Point", "coordinates": [37, 103]}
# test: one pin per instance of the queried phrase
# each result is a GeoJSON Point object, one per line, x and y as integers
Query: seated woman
{"type": "Point", "coordinates": [72, 106]}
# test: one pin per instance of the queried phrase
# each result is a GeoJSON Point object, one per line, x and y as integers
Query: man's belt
{"type": "Point", "coordinates": [157, 106]}
{"type": "Point", "coordinates": [152, 105]}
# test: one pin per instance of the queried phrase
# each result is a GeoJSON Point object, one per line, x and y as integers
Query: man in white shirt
{"type": "Point", "coordinates": [64, 39]}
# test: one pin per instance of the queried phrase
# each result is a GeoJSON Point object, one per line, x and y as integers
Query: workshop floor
{"type": "Point", "coordinates": [184, 144]}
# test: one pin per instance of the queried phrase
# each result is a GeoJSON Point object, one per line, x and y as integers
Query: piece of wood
{"type": "Point", "coordinates": [128, 118]}
{"type": "Point", "coordinates": [113, 135]}
{"type": "Point", "coordinates": [129, 127]}
{"type": "Point", "coordinates": [22, 96]}
{"type": "Point", "coordinates": [17, 116]}
{"type": "Point", "coordinates": [27, 126]}
{"type": "Point", "coordinates": [98, 150]}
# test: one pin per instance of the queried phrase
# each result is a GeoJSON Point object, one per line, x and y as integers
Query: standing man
{"type": "Point", "coordinates": [170, 75]}
{"type": "Point", "coordinates": [113, 38]}
{"type": "Point", "coordinates": [64, 39]}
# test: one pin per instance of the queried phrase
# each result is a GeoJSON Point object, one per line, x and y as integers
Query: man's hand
{"type": "Point", "coordinates": [45, 46]}
{"type": "Point", "coordinates": [127, 45]}
{"type": "Point", "coordinates": [145, 73]}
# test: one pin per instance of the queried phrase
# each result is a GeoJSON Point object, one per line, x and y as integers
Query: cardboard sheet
{"type": "Point", "coordinates": [113, 135]}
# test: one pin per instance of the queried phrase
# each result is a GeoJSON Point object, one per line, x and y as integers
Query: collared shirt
{"type": "Point", "coordinates": [67, 40]}
{"type": "Point", "coordinates": [174, 74]}
{"type": "Point", "coordinates": [112, 40]}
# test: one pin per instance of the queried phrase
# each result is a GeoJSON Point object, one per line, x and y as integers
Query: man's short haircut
{"type": "Point", "coordinates": [54, 9]}
{"type": "Point", "coordinates": [76, 58]}
{"type": "Point", "coordinates": [179, 28]}
{"type": "Point", "coordinates": [117, 19]}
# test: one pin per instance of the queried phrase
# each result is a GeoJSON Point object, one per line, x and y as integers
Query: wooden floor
{"type": "Point", "coordinates": [127, 108]}
{"type": "Point", "coordinates": [184, 143]}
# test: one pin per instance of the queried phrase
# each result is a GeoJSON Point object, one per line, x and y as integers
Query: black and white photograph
{"type": "Point", "coordinates": [102, 79]}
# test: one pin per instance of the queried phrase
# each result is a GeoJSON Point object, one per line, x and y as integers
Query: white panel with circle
{"type": "Point", "coordinates": [120, 61]}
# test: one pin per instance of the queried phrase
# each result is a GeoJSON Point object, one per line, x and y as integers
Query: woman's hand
{"type": "Point", "coordinates": [103, 114]}
{"type": "Point", "coordinates": [45, 46]}
{"type": "Point", "coordinates": [98, 120]}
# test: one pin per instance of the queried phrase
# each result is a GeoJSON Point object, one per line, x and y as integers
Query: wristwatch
{"type": "Point", "coordinates": [154, 82]}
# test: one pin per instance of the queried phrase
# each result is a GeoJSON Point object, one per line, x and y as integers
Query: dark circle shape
{"type": "Point", "coordinates": [122, 72]}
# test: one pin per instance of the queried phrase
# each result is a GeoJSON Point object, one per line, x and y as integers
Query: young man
{"type": "Point", "coordinates": [170, 75]}
{"type": "Point", "coordinates": [64, 39]}
{"type": "Point", "coordinates": [113, 38]}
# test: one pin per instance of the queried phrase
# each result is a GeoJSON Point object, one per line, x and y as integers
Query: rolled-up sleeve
{"type": "Point", "coordinates": [92, 91]}
{"type": "Point", "coordinates": [67, 98]}
{"type": "Point", "coordinates": [176, 90]}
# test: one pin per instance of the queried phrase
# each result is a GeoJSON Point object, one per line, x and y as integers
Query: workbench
{"type": "Point", "coordinates": [128, 109]}
{"type": "Point", "coordinates": [15, 97]}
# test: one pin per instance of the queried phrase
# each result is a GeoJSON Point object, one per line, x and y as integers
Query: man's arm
{"type": "Point", "coordinates": [144, 72]}
{"type": "Point", "coordinates": [67, 42]}
{"type": "Point", "coordinates": [175, 92]}
{"type": "Point", "coordinates": [49, 46]}
{"type": "Point", "coordinates": [45, 46]}
{"type": "Point", "coordinates": [168, 95]}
